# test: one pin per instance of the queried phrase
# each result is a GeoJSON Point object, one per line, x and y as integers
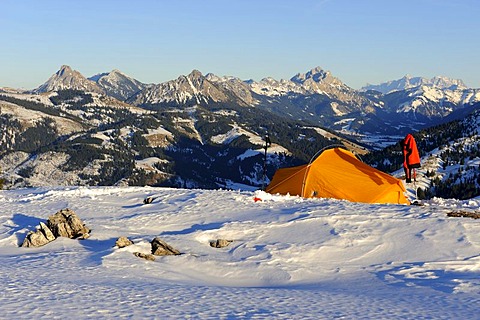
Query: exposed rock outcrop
{"type": "Point", "coordinates": [64, 223]}
{"type": "Point", "coordinates": [149, 200]}
{"type": "Point", "coordinates": [123, 242]}
{"type": "Point", "coordinates": [38, 238]}
{"type": "Point", "coordinates": [161, 248]}
{"type": "Point", "coordinates": [146, 256]}
{"type": "Point", "coordinates": [465, 214]}
{"type": "Point", "coordinates": [220, 243]}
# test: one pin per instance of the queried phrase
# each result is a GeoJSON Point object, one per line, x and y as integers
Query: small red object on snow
{"type": "Point", "coordinates": [256, 199]}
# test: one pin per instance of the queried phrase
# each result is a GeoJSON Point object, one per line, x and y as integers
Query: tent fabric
{"type": "Point", "coordinates": [338, 174]}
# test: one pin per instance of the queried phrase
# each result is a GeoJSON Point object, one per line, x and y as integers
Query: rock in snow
{"type": "Point", "coordinates": [146, 256]}
{"type": "Point", "coordinates": [220, 243]}
{"type": "Point", "coordinates": [64, 223]}
{"type": "Point", "coordinates": [40, 237]}
{"type": "Point", "coordinates": [123, 242]}
{"type": "Point", "coordinates": [161, 248]}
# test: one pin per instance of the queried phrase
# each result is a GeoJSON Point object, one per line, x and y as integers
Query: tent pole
{"type": "Point", "coordinates": [415, 183]}
{"type": "Point", "coordinates": [331, 146]}
{"type": "Point", "coordinates": [268, 143]}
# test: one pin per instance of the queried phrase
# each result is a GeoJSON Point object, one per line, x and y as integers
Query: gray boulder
{"type": "Point", "coordinates": [149, 200]}
{"type": "Point", "coordinates": [220, 243]}
{"type": "Point", "coordinates": [66, 223]}
{"type": "Point", "coordinates": [123, 242]}
{"type": "Point", "coordinates": [38, 238]}
{"type": "Point", "coordinates": [47, 232]}
{"type": "Point", "coordinates": [146, 256]}
{"type": "Point", "coordinates": [161, 248]}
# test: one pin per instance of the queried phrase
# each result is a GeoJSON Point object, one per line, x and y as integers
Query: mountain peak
{"type": "Point", "coordinates": [318, 70]}
{"type": "Point", "coordinates": [117, 84]}
{"type": "Point", "coordinates": [67, 78]}
{"type": "Point", "coordinates": [66, 71]}
{"type": "Point", "coordinates": [116, 72]}
{"type": "Point", "coordinates": [195, 74]}
{"type": "Point", "coordinates": [316, 74]}
{"type": "Point", "coordinates": [98, 76]}
{"type": "Point", "coordinates": [64, 68]}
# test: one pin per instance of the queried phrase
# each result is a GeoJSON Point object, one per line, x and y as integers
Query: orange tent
{"type": "Point", "coordinates": [337, 173]}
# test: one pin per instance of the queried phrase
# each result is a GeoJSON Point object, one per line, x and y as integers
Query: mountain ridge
{"type": "Point", "coordinates": [315, 96]}
{"type": "Point", "coordinates": [409, 82]}
{"type": "Point", "coordinates": [203, 131]}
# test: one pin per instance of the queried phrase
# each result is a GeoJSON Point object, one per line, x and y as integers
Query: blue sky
{"type": "Point", "coordinates": [358, 41]}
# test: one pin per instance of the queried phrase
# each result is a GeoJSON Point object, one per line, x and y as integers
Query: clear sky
{"type": "Point", "coordinates": [358, 41]}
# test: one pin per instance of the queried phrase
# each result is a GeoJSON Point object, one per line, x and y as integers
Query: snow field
{"type": "Point", "coordinates": [290, 258]}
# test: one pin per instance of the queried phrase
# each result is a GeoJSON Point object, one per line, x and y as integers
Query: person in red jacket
{"type": "Point", "coordinates": [411, 158]}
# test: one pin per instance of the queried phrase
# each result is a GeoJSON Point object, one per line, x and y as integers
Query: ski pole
{"type": "Point", "coordinates": [415, 183]}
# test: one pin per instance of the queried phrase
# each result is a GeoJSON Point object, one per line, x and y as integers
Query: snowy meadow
{"type": "Point", "coordinates": [290, 258]}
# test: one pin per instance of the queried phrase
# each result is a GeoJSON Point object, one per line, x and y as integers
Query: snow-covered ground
{"type": "Point", "coordinates": [290, 258]}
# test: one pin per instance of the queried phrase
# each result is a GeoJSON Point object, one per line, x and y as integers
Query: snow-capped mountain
{"type": "Point", "coordinates": [118, 85]}
{"type": "Point", "coordinates": [315, 96]}
{"type": "Point", "coordinates": [322, 82]}
{"type": "Point", "coordinates": [416, 103]}
{"type": "Point", "coordinates": [241, 89]}
{"type": "Point", "coordinates": [192, 89]}
{"type": "Point", "coordinates": [317, 85]}
{"type": "Point", "coordinates": [272, 88]}
{"type": "Point", "coordinates": [432, 101]}
{"type": "Point", "coordinates": [408, 82]}
{"type": "Point", "coordinates": [67, 78]}
{"type": "Point", "coordinates": [319, 81]}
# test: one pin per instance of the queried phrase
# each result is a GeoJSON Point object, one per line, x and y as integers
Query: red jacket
{"type": "Point", "coordinates": [411, 158]}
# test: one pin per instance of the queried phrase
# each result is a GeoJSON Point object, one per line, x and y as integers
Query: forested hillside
{"type": "Point", "coordinates": [79, 138]}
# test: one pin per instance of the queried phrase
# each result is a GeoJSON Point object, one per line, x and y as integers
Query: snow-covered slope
{"type": "Point", "coordinates": [30, 118]}
{"type": "Point", "coordinates": [290, 258]}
